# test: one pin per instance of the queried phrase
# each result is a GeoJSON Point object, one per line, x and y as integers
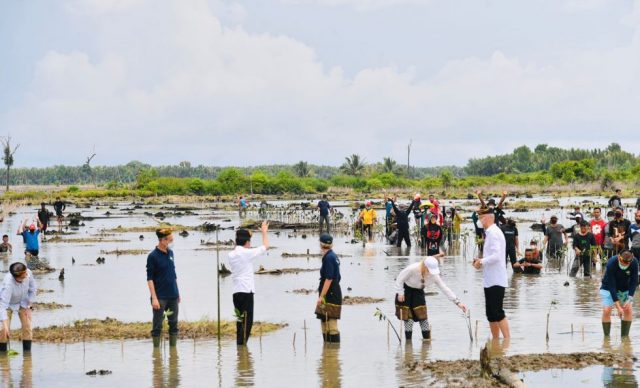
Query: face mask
{"type": "Point", "coordinates": [610, 219]}
{"type": "Point", "coordinates": [638, 220]}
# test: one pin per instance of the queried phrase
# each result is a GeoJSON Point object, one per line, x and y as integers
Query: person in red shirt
{"type": "Point", "coordinates": [598, 226]}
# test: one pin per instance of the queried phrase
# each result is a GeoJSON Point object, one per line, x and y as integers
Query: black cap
{"type": "Point", "coordinates": [326, 238]}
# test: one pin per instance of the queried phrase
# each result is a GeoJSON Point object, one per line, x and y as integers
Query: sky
{"type": "Point", "coordinates": [257, 82]}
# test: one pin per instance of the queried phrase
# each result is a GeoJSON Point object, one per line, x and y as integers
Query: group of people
{"type": "Point", "coordinates": [18, 289]}
{"type": "Point", "coordinates": [498, 243]}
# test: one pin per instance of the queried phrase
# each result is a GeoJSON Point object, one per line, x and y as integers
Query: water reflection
{"type": "Point", "coordinates": [498, 347]}
{"type": "Point", "coordinates": [165, 375]}
{"type": "Point", "coordinates": [329, 369]}
{"type": "Point", "coordinates": [619, 375]}
{"type": "Point", "coordinates": [407, 361]}
{"type": "Point", "coordinates": [245, 374]}
{"type": "Point", "coordinates": [26, 372]}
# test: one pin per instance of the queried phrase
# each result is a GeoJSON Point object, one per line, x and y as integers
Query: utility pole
{"type": "Point", "coordinates": [409, 159]}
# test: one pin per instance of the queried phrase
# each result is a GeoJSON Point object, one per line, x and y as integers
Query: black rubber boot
{"type": "Point", "coordinates": [334, 338]}
{"type": "Point", "coordinates": [173, 339]}
{"type": "Point", "coordinates": [3, 347]}
{"type": "Point", "coordinates": [26, 345]}
{"type": "Point", "coordinates": [606, 328]}
{"type": "Point", "coordinates": [324, 337]}
{"type": "Point", "coordinates": [625, 327]}
{"type": "Point", "coordinates": [426, 334]}
{"type": "Point", "coordinates": [407, 335]}
{"type": "Point", "coordinates": [156, 342]}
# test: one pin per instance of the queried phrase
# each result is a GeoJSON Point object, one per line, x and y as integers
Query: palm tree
{"type": "Point", "coordinates": [301, 169]}
{"type": "Point", "coordinates": [388, 165]}
{"type": "Point", "coordinates": [8, 156]}
{"type": "Point", "coordinates": [353, 165]}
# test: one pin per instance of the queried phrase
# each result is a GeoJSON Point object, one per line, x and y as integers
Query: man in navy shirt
{"type": "Point", "coordinates": [163, 286]}
{"type": "Point", "coordinates": [324, 207]}
{"type": "Point", "coordinates": [618, 287]}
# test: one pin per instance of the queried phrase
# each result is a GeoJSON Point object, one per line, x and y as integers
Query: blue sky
{"type": "Point", "coordinates": [278, 81]}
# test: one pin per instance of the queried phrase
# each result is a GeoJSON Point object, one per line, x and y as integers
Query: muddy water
{"type": "Point", "coordinates": [369, 354]}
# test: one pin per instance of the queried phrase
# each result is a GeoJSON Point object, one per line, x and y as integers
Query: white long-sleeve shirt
{"type": "Point", "coordinates": [494, 269]}
{"type": "Point", "coordinates": [14, 295]}
{"type": "Point", "coordinates": [413, 278]}
{"type": "Point", "coordinates": [241, 266]}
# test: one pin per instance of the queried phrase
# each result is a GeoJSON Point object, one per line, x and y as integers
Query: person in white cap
{"type": "Point", "coordinates": [410, 302]}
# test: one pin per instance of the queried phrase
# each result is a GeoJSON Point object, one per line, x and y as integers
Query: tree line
{"type": "Point", "coordinates": [542, 166]}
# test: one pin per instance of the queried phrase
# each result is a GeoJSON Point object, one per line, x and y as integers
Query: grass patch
{"type": "Point", "coordinates": [85, 240]}
{"type": "Point", "coordinates": [49, 306]}
{"type": "Point", "coordinates": [110, 329]}
{"type": "Point", "coordinates": [119, 252]}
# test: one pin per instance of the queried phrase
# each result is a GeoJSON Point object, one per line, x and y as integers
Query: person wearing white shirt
{"type": "Point", "coordinates": [241, 265]}
{"type": "Point", "coordinates": [494, 273]}
{"type": "Point", "coordinates": [17, 293]}
{"type": "Point", "coordinates": [410, 302]}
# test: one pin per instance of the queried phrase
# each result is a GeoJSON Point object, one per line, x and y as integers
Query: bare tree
{"type": "Point", "coordinates": [87, 165]}
{"type": "Point", "coordinates": [7, 156]}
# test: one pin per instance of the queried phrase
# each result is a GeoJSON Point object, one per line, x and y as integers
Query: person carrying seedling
{"type": "Point", "coordinates": [618, 287]}
{"type": "Point", "coordinates": [241, 260]}
{"type": "Point", "coordinates": [411, 305]}
{"type": "Point", "coordinates": [329, 304]}
{"type": "Point", "coordinates": [163, 287]}
{"type": "Point", "coordinates": [584, 244]}
{"type": "Point", "coordinates": [17, 294]}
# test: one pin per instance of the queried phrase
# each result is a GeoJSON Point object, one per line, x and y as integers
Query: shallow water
{"type": "Point", "coordinates": [369, 354]}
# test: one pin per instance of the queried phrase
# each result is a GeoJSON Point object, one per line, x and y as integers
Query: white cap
{"type": "Point", "coordinates": [432, 265]}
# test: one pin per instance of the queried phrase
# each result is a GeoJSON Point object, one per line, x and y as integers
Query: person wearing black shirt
{"type": "Point", "coordinates": [432, 235]}
{"type": "Point", "coordinates": [615, 201]}
{"type": "Point", "coordinates": [510, 232]}
{"type": "Point", "coordinates": [324, 207]}
{"type": "Point", "coordinates": [620, 231]}
{"type": "Point", "coordinates": [496, 208]}
{"type": "Point", "coordinates": [402, 222]}
{"type": "Point", "coordinates": [59, 206]}
{"type": "Point", "coordinates": [582, 244]}
{"type": "Point", "coordinates": [43, 216]}
{"type": "Point", "coordinates": [529, 265]}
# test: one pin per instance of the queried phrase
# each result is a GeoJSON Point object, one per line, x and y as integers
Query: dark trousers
{"type": "Point", "coordinates": [158, 317]}
{"type": "Point", "coordinates": [511, 254]}
{"type": "Point", "coordinates": [325, 220]}
{"type": "Point", "coordinates": [243, 302]}
{"type": "Point", "coordinates": [586, 265]}
{"type": "Point", "coordinates": [369, 229]}
{"type": "Point", "coordinates": [403, 234]}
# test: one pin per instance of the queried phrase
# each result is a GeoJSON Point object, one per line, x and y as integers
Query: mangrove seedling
{"type": "Point", "coordinates": [382, 317]}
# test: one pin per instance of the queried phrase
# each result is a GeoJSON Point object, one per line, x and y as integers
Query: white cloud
{"type": "Point", "coordinates": [191, 89]}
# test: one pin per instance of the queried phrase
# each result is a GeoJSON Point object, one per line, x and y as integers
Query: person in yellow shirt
{"type": "Point", "coordinates": [368, 217]}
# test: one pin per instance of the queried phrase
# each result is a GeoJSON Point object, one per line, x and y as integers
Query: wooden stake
{"type": "Point", "coordinates": [294, 340]}
{"type": "Point", "coordinates": [548, 327]}
{"type": "Point", "coordinates": [476, 330]}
